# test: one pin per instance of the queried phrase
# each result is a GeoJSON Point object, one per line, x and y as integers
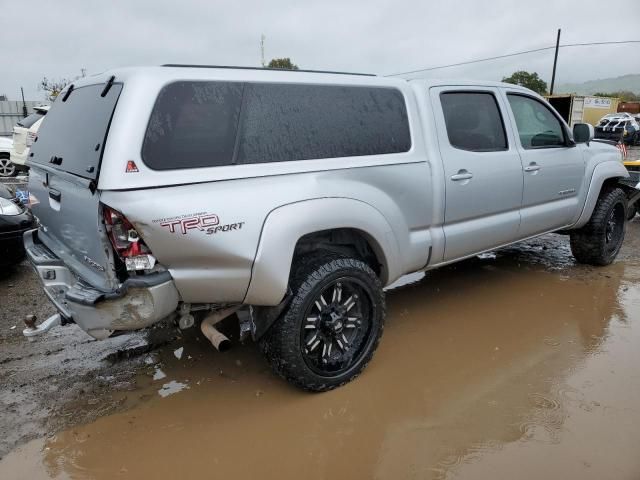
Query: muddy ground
{"type": "Point", "coordinates": [519, 364]}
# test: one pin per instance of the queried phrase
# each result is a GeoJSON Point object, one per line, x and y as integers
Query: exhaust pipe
{"type": "Point", "coordinates": [217, 339]}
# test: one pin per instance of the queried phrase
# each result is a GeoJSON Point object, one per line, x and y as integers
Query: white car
{"type": "Point", "coordinates": [24, 132]}
{"type": "Point", "coordinates": [6, 167]}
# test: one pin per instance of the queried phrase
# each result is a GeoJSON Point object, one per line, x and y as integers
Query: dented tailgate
{"type": "Point", "coordinates": [64, 169]}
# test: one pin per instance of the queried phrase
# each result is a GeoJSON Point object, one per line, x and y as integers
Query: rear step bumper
{"type": "Point", "coordinates": [137, 303]}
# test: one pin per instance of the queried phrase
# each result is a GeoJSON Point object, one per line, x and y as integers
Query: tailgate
{"type": "Point", "coordinates": [62, 183]}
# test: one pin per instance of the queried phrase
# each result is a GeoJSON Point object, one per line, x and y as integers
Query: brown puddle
{"type": "Point", "coordinates": [495, 368]}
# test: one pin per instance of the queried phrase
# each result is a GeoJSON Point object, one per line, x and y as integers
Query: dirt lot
{"type": "Point", "coordinates": [519, 365]}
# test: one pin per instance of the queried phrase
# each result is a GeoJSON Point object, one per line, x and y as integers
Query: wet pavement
{"type": "Point", "coordinates": [520, 364]}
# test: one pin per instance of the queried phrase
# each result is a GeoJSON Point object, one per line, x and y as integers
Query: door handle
{"type": "Point", "coordinates": [462, 175]}
{"type": "Point", "coordinates": [532, 167]}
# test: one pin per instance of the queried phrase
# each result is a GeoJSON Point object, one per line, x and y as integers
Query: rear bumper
{"type": "Point", "coordinates": [11, 248]}
{"type": "Point", "coordinates": [136, 304]}
{"type": "Point", "coordinates": [12, 229]}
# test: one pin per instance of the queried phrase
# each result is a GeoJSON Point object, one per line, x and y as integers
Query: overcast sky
{"type": "Point", "coordinates": [378, 36]}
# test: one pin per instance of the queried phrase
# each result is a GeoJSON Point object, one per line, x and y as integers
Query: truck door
{"type": "Point", "coordinates": [483, 173]}
{"type": "Point", "coordinates": [553, 166]}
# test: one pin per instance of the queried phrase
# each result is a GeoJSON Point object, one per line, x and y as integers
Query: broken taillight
{"type": "Point", "coordinates": [31, 137]}
{"type": "Point", "coordinates": [126, 242]}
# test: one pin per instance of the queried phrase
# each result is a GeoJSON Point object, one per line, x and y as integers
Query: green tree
{"type": "Point", "coordinates": [283, 63]}
{"type": "Point", "coordinates": [624, 95]}
{"type": "Point", "coordinates": [529, 80]}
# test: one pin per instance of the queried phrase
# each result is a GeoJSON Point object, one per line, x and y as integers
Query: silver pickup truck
{"type": "Point", "coordinates": [293, 198]}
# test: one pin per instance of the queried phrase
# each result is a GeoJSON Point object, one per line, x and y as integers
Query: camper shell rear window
{"type": "Point", "coordinates": [206, 124]}
{"type": "Point", "coordinates": [72, 139]}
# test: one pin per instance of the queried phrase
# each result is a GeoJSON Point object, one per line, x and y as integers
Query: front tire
{"type": "Point", "coordinates": [600, 240]}
{"type": "Point", "coordinates": [332, 325]}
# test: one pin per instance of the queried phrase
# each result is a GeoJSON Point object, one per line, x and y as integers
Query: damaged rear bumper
{"type": "Point", "coordinates": [137, 303]}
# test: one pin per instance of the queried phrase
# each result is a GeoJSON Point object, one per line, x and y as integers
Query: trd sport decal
{"type": "Point", "coordinates": [208, 223]}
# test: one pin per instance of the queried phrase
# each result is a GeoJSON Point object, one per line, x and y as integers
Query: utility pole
{"type": "Point", "coordinates": [555, 62]}
{"type": "Point", "coordinates": [24, 104]}
{"type": "Point", "coordinates": [262, 38]}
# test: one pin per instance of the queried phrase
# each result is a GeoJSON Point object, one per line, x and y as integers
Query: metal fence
{"type": "Point", "coordinates": [11, 111]}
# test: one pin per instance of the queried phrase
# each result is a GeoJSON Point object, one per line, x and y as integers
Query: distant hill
{"type": "Point", "coordinates": [626, 82]}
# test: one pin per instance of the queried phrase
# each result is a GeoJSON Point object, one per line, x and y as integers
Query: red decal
{"type": "Point", "coordinates": [199, 222]}
{"type": "Point", "coordinates": [172, 225]}
{"type": "Point", "coordinates": [190, 223]}
{"type": "Point", "coordinates": [131, 167]}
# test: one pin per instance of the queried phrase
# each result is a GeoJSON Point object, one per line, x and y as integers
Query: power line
{"type": "Point", "coordinates": [524, 52]}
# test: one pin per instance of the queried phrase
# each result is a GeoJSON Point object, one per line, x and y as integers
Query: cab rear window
{"type": "Point", "coordinates": [206, 124]}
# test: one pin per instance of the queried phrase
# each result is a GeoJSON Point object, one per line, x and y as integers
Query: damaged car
{"type": "Point", "coordinates": [619, 127]}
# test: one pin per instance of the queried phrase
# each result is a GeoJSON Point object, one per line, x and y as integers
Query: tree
{"type": "Point", "coordinates": [53, 87]}
{"type": "Point", "coordinates": [624, 95]}
{"type": "Point", "coordinates": [283, 63]}
{"type": "Point", "coordinates": [529, 80]}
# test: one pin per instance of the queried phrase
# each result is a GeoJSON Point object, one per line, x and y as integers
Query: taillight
{"type": "Point", "coordinates": [126, 242]}
{"type": "Point", "coordinates": [31, 137]}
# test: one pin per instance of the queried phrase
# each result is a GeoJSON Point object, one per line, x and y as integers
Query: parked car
{"type": "Point", "coordinates": [619, 127]}
{"type": "Point", "coordinates": [293, 198]}
{"type": "Point", "coordinates": [24, 133]}
{"type": "Point", "coordinates": [15, 220]}
{"type": "Point", "coordinates": [6, 167]}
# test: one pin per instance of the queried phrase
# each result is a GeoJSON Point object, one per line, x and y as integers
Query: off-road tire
{"type": "Point", "coordinates": [283, 344]}
{"type": "Point", "coordinates": [589, 244]}
{"type": "Point", "coordinates": [4, 160]}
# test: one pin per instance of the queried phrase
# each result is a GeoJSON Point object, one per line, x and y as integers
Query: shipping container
{"type": "Point", "coordinates": [629, 107]}
{"type": "Point", "coordinates": [582, 108]}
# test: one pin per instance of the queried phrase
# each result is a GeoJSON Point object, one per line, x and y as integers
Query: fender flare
{"type": "Point", "coordinates": [285, 225]}
{"type": "Point", "coordinates": [602, 172]}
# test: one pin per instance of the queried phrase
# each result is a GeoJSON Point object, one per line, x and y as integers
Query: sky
{"type": "Point", "coordinates": [57, 39]}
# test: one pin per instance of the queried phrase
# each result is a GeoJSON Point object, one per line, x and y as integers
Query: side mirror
{"type": "Point", "coordinates": [583, 133]}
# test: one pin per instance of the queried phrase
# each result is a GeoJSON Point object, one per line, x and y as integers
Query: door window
{"type": "Point", "coordinates": [473, 121]}
{"type": "Point", "coordinates": [538, 127]}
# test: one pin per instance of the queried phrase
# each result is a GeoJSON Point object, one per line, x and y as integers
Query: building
{"type": "Point", "coordinates": [11, 112]}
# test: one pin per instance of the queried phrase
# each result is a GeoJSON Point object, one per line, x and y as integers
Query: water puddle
{"type": "Point", "coordinates": [496, 368]}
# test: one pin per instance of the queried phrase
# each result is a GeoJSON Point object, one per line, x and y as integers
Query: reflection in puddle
{"type": "Point", "coordinates": [171, 388]}
{"type": "Point", "coordinates": [496, 368]}
{"type": "Point", "coordinates": [158, 374]}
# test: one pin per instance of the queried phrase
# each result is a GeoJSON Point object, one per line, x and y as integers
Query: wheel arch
{"type": "Point", "coordinates": [299, 227]}
{"type": "Point", "coordinates": [605, 174]}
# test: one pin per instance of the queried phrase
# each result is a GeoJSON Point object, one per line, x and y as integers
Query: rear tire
{"type": "Point", "coordinates": [7, 169]}
{"type": "Point", "coordinates": [332, 325]}
{"type": "Point", "coordinates": [599, 241]}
